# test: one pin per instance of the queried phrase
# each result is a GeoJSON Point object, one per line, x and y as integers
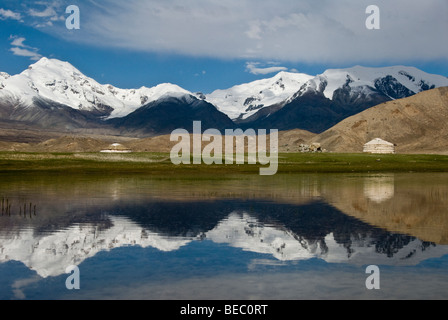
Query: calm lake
{"type": "Point", "coordinates": [303, 236]}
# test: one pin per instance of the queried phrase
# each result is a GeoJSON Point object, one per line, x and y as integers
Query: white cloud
{"type": "Point", "coordinates": [284, 30]}
{"type": "Point", "coordinates": [23, 50]}
{"type": "Point", "coordinates": [44, 13]}
{"type": "Point", "coordinates": [38, 14]}
{"type": "Point", "coordinates": [8, 14]}
{"type": "Point", "coordinates": [17, 41]}
{"type": "Point", "coordinates": [48, 12]}
{"type": "Point", "coordinates": [257, 69]}
{"type": "Point", "coordinates": [26, 53]}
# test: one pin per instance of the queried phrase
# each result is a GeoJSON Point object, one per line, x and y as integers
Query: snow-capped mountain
{"type": "Point", "coordinates": [332, 95]}
{"type": "Point", "coordinates": [337, 94]}
{"type": "Point", "coordinates": [54, 94]}
{"type": "Point", "coordinates": [242, 101]}
{"type": "Point", "coordinates": [49, 254]}
{"type": "Point", "coordinates": [61, 83]}
{"type": "Point", "coordinates": [393, 82]}
{"type": "Point", "coordinates": [170, 112]}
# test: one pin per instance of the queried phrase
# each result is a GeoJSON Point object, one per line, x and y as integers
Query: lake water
{"type": "Point", "coordinates": [244, 237]}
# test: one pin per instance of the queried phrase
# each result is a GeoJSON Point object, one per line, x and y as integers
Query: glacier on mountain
{"type": "Point", "coordinates": [62, 83]}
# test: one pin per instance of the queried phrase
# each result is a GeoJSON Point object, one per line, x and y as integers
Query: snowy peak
{"type": "Point", "coordinates": [51, 67]}
{"type": "Point", "coordinates": [136, 98]}
{"type": "Point", "coordinates": [60, 82]}
{"type": "Point", "coordinates": [184, 97]}
{"type": "Point", "coordinates": [244, 100]}
{"type": "Point", "coordinates": [395, 82]}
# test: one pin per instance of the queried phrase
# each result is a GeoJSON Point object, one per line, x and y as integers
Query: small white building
{"type": "Point", "coordinates": [116, 148]}
{"type": "Point", "coordinates": [379, 146]}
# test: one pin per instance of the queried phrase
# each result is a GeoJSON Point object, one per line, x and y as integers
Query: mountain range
{"type": "Point", "coordinates": [334, 237]}
{"type": "Point", "coordinates": [54, 96]}
{"type": "Point", "coordinates": [74, 245]}
{"type": "Point", "coordinates": [296, 101]}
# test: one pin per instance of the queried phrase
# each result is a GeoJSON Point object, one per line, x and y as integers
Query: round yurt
{"type": "Point", "coordinates": [116, 148]}
{"type": "Point", "coordinates": [379, 146]}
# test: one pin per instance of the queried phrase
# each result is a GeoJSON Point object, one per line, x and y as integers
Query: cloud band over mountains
{"type": "Point", "coordinates": [299, 30]}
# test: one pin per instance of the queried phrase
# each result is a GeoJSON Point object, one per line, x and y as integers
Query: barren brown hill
{"type": "Point", "coordinates": [70, 144]}
{"type": "Point", "coordinates": [418, 124]}
{"type": "Point", "coordinates": [64, 144]}
{"type": "Point", "coordinates": [288, 141]}
{"type": "Point", "coordinates": [34, 141]}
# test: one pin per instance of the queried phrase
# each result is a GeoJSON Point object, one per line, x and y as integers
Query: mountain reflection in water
{"type": "Point", "coordinates": [390, 220]}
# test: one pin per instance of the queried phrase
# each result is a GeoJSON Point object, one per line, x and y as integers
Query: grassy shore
{"type": "Point", "coordinates": [160, 163]}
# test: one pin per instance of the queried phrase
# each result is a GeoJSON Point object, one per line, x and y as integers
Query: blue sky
{"type": "Point", "coordinates": [203, 45]}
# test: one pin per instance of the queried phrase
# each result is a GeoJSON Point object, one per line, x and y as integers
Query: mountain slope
{"type": "Point", "coordinates": [337, 94]}
{"type": "Point", "coordinates": [417, 124]}
{"type": "Point", "coordinates": [48, 115]}
{"type": "Point", "coordinates": [169, 113]}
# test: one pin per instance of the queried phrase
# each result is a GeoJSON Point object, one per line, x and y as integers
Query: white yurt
{"type": "Point", "coordinates": [379, 146]}
{"type": "Point", "coordinates": [116, 148]}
